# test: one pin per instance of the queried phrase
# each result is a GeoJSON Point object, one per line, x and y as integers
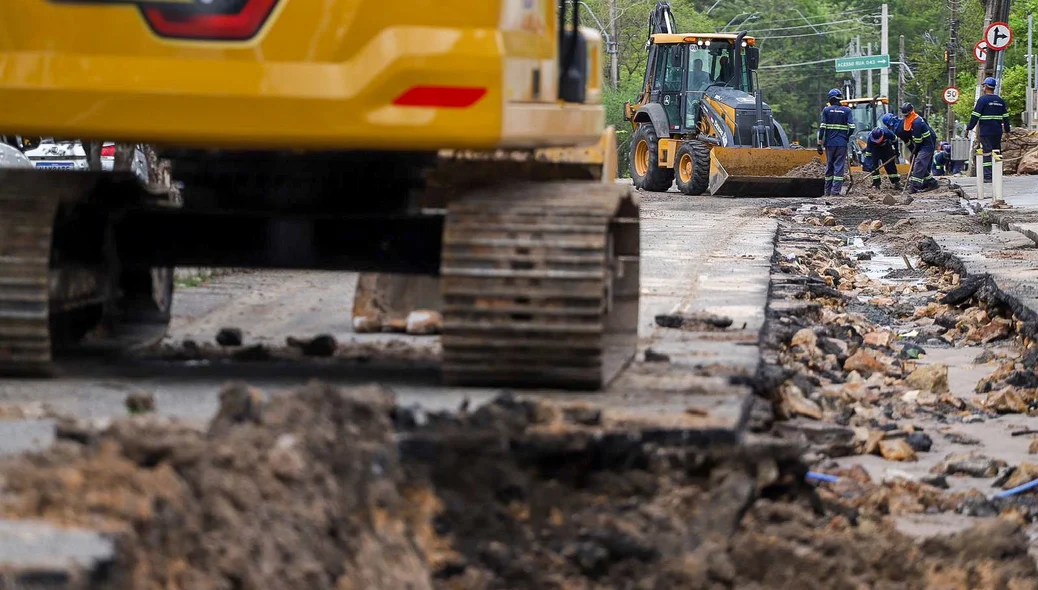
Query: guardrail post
{"type": "Point", "coordinates": [980, 173]}
{"type": "Point", "coordinates": [996, 176]}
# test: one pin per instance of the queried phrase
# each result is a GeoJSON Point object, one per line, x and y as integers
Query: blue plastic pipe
{"type": "Point", "coordinates": [833, 479]}
{"type": "Point", "coordinates": [1017, 489]}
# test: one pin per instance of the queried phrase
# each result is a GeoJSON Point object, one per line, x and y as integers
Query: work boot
{"type": "Point", "coordinates": [875, 184]}
{"type": "Point", "coordinates": [897, 185]}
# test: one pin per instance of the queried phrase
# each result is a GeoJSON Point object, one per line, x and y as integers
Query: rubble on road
{"type": "Point", "coordinates": [330, 488]}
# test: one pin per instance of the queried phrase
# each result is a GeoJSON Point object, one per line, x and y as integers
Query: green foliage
{"type": "Point", "coordinates": [1014, 92]}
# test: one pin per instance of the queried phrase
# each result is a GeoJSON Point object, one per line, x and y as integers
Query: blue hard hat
{"type": "Point", "coordinates": [890, 120]}
{"type": "Point", "coordinates": [877, 135]}
{"type": "Point", "coordinates": [990, 82]}
{"type": "Point", "coordinates": [835, 93]}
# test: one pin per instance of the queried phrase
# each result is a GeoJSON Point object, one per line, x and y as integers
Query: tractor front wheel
{"type": "Point", "coordinates": [693, 167]}
{"type": "Point", "coordinates": [646, 171]}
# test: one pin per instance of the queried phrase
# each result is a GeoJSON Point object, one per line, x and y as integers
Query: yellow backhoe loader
{"type": "Point", "coordinates": [465, 143]}
{"type": "Point", "coordinates": [701, 119]}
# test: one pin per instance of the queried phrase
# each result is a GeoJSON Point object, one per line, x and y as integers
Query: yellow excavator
{"type": "Point", "coordinates": [465, 142]}
{"type": "Point", "coordinates": [700, 119]}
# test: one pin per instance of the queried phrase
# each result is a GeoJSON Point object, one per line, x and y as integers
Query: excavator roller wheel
{"type": "Point", "coordinates": [540, 285]}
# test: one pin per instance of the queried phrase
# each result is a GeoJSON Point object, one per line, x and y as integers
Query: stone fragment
{"type": "Point", "coordinates": [865, 363]}
{"type": "Point", "coordinates": [796, 403]}
{"type": "Point", "coordinates": [323, 345]}
{"type": "Point", "coordinates": [972, 464]}
{"type": "Point", "coordinates": [829, 221]}
{"type": "Point", "coordinates": [896, 450]}
{"type": "Point", "coordinates": [364, 324]}
{"type": "Point", "coordinates": [239, 403]}
{"type": "Point", "coordinates": [932, 378]}
{"type": "Point", "coordinates": [835, 347]}
{"type": "Point", "coordinates": [830, 440]}
{"type": "Point", "coordinates": [876, 225]}
{"type": "Point", "coordinates": [229, 337]}
{"type": "Point", "coordinates": [424, 322]}
{"type": "Point", "coordinates": [140, 402]}
{"type": "Point", "coordinates": [920, 442]}
{"type": "Point", "coordinates": [651, 356]}
{"type": "Point", "coordinates": [872, 443]}
{"type": "Point", "coordinates": [1023, 473]}
{"type": "Point", "coordinates": [889, 200]}
{"type": "Point", "coordinates": [937, 481]}
{"type": "Point", "coordinates": [805, 338]}
{"type": "Point", "coordinates": [902, 222]}
{"type": "Point", "coordinates": [879, 338]}
{"type": "Point", "coordinates": [960, 438]}
{"type": "Point", "coordinates": [1033, 447]}
{"type": "Point", "coordinates": [864, 226]}
{"type": "Point", "coordinates": [1008, 400]}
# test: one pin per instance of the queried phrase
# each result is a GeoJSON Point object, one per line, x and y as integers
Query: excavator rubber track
{"type": "Point", "coordinates": [48, 306]}
{"type": "Point", "coordinates": [26, 226]}
{"type": "Point", "coordinates": [540, 283]}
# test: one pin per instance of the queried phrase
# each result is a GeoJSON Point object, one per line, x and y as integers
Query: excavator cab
{"type": "Point", "coordinates": [700, 119]}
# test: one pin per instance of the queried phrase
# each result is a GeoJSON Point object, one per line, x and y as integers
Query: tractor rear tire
{"type": "Point", "coordinates": [693, 167]}
{"type": "Point", "coordinates": [646, 171]}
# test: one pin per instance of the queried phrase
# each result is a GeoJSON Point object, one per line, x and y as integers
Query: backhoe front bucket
{"type": "Point", "coordinates": [759, 172]}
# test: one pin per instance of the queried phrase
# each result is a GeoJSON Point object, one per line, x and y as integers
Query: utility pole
{"type": "Point", "coordinates": [856, 52]}
{"type": "Point", "coordinates": [614, 64]}
{"type": "Point", "coordinates": [884, 48]}
{"type": "Point", "coordinates": [1030, 78]}
{"type": "Point", "coordinates": [901, 72]}
{"type": "Point", "coordinates": [953, 50]}
{"type": "Point", "coordinates": [869, 72]}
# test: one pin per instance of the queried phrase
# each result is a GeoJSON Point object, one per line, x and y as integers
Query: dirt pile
{"type": "Point", "coordinates": [1017, 148]}
{"type": "Point", "coordinates": [813, 169]}
{"type": "Point", "coordinates": [328, 488]}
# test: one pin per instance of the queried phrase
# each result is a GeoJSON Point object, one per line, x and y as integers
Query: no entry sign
{"type": "Point", "coordinates": [980, 51]}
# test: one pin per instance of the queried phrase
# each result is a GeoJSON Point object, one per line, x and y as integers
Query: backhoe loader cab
{"type": "Point", "coordinates": [700, 119]}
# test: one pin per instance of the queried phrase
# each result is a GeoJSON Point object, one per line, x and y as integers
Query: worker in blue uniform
{"type": "Point", "coordinates": [942, 160]}
{"type": "Point", "coordinates": [834, 134]}
{"type": "Point", "coordinates": [923, 144]}
{"type": "Point", "coordinates": [893, 123]}
{"type": "Point", "coordinates": [992, 117]}
{"type": "Point", "coordinates": [881, 152]}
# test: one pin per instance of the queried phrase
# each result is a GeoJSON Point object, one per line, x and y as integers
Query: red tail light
{"type": "Point", "coordinates": [108, 151]}
{"type": "Point", "coordinates": [218, 20]}
{"type": "Point", "coordinates": [457, 97]}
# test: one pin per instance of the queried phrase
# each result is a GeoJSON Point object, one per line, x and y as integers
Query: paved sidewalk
{"type": "Point", "coordinates": [1010, 252]}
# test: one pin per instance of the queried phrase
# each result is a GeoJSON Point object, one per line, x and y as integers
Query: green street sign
{"type": "Point", "coordinates": [865, 62]}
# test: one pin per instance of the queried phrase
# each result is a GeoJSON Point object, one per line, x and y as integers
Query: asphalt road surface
{"type": "Point", "coordinates": [699, 253]}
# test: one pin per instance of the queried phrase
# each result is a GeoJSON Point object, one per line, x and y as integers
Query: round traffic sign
{"type": "Point", "coordinates": [951, 95]}
{"type": "Point", "coordinates": [980, 51]}
{"type": "Point", "coordinates": [998, 36]}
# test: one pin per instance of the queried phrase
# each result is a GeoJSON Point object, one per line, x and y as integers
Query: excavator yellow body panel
{"type": "Point", "coordinates": [335, 74]}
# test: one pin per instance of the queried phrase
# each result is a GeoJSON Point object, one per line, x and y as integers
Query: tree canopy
{"type": "Point", "coordinates": [800, 38]}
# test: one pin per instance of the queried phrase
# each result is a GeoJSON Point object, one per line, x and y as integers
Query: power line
{"type": "Point", "coordinates": [855, 29]}
{"type": "Point", "coordinates": [803, 63]}
{"type": "Point", "coordinates": [822, 16]}
{"type": "Point", "coordinates": [835, 22]}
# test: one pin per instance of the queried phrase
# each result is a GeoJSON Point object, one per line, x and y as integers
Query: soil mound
{"type": "Point", "coordinates": [341, 489]}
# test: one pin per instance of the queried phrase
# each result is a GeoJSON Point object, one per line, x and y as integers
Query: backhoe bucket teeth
{"type": "Point", "coordinates": [759, 172]}
{"type": "Point", "coordinates": [384, 299]}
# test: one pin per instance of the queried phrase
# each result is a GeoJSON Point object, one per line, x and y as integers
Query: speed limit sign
{"type": "Point", "coordinates": [951, 95]}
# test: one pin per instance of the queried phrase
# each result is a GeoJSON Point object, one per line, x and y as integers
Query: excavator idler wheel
{"type": "Point", "coordinates": [693, 169]}
{"type": "Point", "coordinates": [540, 284]}
{"type": "Point", "coordinates": [59, 280]}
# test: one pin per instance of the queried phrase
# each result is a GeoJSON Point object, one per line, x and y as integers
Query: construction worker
{"type": "Point", "coordinates": [881, 152]}
{"type": "Point", "coordinates": [834, 133]}
{"type": "Point", "coordinates": [893, 123]}
{"type": "Point", "coordinates": [941, 160]}
{"type": "Point", "coordinates": [923, 144]}
{"type": "Point", "coordinates": [990, 111]}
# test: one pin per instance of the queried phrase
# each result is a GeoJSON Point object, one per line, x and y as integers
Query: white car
{"type": "Point", "coordinates": [69, 155]}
